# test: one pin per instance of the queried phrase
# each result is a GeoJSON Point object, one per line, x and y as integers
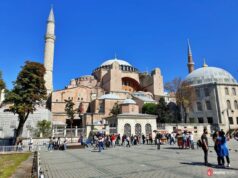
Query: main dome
{"type": "Point", "coordinates": [121, 62]}
{"type": "Point", "coordinates": [206, 75]}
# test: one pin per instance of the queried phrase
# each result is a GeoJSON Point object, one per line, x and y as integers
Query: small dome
{"type": "Point", "coordinates": [129, 101]}
{"type": "Point", "coordinates": [206, 75]}
{"type": "Point", "coordinates": [109, 96]}
{"type": "Point", "coordinates": [121, 62]}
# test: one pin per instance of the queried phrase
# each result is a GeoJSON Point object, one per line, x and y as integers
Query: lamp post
{"type": "Point", "coordinates": [227, 112]}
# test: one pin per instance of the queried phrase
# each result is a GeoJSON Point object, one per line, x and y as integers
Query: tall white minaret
{"type": "Point", "coordinates": [49, 52]}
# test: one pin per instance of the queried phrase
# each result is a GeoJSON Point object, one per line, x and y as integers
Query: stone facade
{"type": "Point", "coordinates": [216, 96]}
{"type": "Point", "coordinates": [113, 82]}
{"type": "Point", "coordinates": [9, 122]}
{"type": "Point", "coordinates": [211, 105]}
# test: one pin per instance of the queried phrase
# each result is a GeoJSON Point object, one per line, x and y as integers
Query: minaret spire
{"type": "Point", "coordinates": [190, 59]}
{"type": "Point", "coordinates": [49, 51]}
{"type": "Point", "coordinates": [51, 17]}
{"type": "Point", "coordinates": [204, 63]}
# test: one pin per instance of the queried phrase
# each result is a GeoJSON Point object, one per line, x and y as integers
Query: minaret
{"type": "Point", "coordinates": [190, 59]}
{"type": "Point", "coordinates": [49, 52]}
{"type": "Point", "coordinates": [204, 63]}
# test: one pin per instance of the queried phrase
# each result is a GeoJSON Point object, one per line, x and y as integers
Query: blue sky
{"type": "Point", "coordinates": [146, 33]}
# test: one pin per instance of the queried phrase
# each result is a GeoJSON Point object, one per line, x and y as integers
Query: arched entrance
{"type": "Point", "coordinates": [127, 129]}
{"type": "Point", "coordinates": [137, 129]}
{"type": "Point", "coordinates": [148, 129]}
{"type": "Point", "coordinates": [130, 84]}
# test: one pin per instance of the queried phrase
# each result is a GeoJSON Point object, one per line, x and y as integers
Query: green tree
{"type": "Point", "coordinates": [44, 128]}
{"type": "Point", "coordinates": [164, 115]}
{"type": "Point", "coordinates": [2, 83]}
{"type": "Point", "coordinates": [150, 108]}
{"type": "Point", "coordinates": [115, 109]}
{"type": "Point", "coordinates": [28, 92]}
{"type": "Point", "coordinates": [70, 111]}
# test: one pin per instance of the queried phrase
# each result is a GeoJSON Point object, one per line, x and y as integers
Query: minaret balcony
{"type": "Point", "coordinates": [50, 36]}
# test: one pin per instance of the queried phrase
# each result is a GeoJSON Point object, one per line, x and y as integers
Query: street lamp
{"type": "Point", "coordinates": [227, 112]}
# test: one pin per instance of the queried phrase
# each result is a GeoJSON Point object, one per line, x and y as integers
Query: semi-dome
{"type": "Point", "coordinates": [206, 75]}
{"type": "Point", "coordinates": [129, 101]}
{"type": "Point", "coordinates": [121, 62]}
{"type": "Point", "coordinates": [110, 96]}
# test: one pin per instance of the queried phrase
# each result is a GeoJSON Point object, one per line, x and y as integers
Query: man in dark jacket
{"type": "Point", "coordinates": [205, 146]}
{"type": "Point", "coordinates": [158, 137]}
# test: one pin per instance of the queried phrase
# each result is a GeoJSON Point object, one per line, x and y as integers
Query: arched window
{"type": "Point", "coordinates": [208, 105]}
{"type": "Point", "coordinates": [199, 106]}
{"type": "Point", "coordinates": [228, 103]}
{"type": "Point", "coordinates": [137, 129]}
{"type": "Point", "coordinates": [234, 91]}
{"type": "Point", "coordinates": [148, 129]}
{"type": "Point", "coordinates": [226, 91]}
{"type": "Point", "coordinates": [235, 104]}
{"type": "Point", "coordinates": [206, 92]}
{"type": "Point", "coordinates": [127, 129]}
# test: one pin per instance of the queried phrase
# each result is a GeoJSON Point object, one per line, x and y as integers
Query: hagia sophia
{"type": "Point", "coordinates": [117, 82]}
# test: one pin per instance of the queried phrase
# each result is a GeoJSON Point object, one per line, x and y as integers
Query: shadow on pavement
{"type": "Point", "coordinates": [209, 165]}
{"type": "Point", "coordinates": [198, 164]}
{"type": "Point", "coordinates": [174, 148]}
{"type": "Point", "coordinates": [94, 151]}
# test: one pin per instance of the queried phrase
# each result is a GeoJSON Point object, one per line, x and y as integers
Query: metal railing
{"type": "Point", "coordinates": [36, 167]}
{"type": "Point", "coordinates": [23, 148]}
{"type": "Point", "coordinates": [4, 149]}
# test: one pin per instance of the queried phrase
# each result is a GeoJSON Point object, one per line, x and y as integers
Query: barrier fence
{"type": "Point", "coordinates": [23, 148]}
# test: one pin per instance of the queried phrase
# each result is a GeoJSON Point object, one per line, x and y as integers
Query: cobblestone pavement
{"type": "Point", "coordinates": [138, 161]}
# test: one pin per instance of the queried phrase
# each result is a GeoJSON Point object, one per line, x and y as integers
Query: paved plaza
{"type": "Point", "coordinates": [137, 161]}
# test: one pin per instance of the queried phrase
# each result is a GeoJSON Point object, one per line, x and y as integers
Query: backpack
{"type": "Point", "coordinates": [199, 143]}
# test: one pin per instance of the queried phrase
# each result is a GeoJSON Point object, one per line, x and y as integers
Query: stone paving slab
{"type": "Point", "coordinates": [143, 161]}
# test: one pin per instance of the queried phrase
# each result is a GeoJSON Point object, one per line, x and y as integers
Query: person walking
{"type": "Point", "coordinates": [132, 139]}
{"type": "Point", "coordinates": [65, 143]}
{"type": "Point", "coordinates": [118, 139]}
{"type": "Point", "coordinates": [100, 143]}
{"type": "Point", "coordinates": [113, 139]}
{"type": "Point", "coordinates": [184, 138]}
{"type": "Point", "coordinates": [158, 138]}
{"type": "Point", "coordinates": [143, 139]}
{"type": "Point", "coordinates": [147, 139]}
{"type": "Point", "coordinates": [172, 139]}
{"type": "Point", "coordinates": [204, 141]}
{"type": "Point", "coordinates": [128, 141]}
{"type": "Point", "coordinates": [215, 139]}
{"type": "Point", "coordinates": [150, 138]}
{"type": "Point", "coordinates": [58, 143]}
{"type": "Point", "coordinates": [30, 144]}
{"type": "Point", "coordinates": [50, 146]}
{"type": "Point", "coordinates": [191, 143]}
{"type": "Point", "coordinates": [223, 150]}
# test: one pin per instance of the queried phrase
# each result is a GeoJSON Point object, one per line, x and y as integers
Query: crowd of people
{"type": "Point", "coordinates": [220, 146]}
{"type": "Point", "coordinates": [57, 143]}
{"type": "Point", "coordinates": [99, 141]}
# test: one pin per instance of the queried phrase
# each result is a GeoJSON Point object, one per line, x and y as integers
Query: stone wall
{"type": "Point", "coordinates": [9, 121]}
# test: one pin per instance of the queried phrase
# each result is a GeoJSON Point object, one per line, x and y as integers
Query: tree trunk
{"type": "Point", "coordinates": [185, 117]}
{"type": "Point", "coordinates": [19, 130]}
{"type": "Point", "coordinates": [185, 114]}
{"type": "Point", "coordinates": [71, 132]}
{"type": "Point", "coordinates": [22, 120]}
